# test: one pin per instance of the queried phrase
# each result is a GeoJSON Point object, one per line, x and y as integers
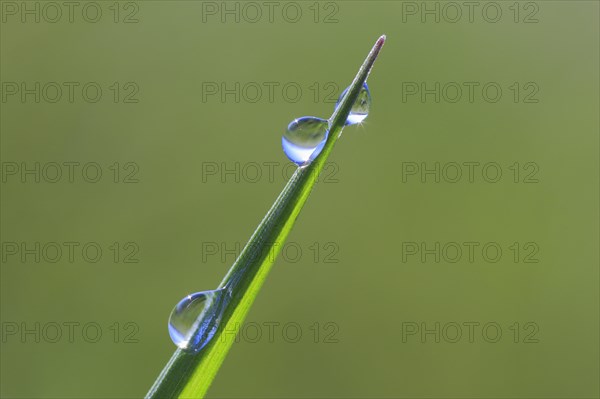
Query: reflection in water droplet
{"type": "Point", "coordinates": [304, 138]}
{"type": "Point", "coordinates": [195, 319]}
{"type": "Point", "coordinates": [360, 109]}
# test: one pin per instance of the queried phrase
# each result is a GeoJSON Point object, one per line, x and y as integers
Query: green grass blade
{"type": "Point", "coordinates": [189, 375]}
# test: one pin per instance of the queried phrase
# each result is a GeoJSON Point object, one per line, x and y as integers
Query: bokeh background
{"type": "Point", "coordinates": [348, 280]}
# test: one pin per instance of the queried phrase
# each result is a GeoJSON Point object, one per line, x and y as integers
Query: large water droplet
{"type": "Point", "coordinates": [304, 138]}
{"type": "Point", "coordinates": [195, 319]}
{"type": "Point", "coordinates": [360, 109]}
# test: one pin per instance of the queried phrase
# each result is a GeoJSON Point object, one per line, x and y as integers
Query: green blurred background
{"type": "Point", "coordinates": [364, 216]}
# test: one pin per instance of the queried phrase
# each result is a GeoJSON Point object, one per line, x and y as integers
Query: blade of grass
{"type": "Point", "coordinates": [189, 375]}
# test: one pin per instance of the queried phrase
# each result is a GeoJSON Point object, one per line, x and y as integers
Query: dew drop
{"type": "Point", "coordinates": [304, 139]}
{"type": "Point", "coordinates": [360, 109]}
{"type": "Point", "coordinates": [195, 319]}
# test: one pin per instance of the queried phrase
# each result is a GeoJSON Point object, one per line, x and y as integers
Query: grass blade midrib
{"type": "Point", "coordinates": [189, 375]}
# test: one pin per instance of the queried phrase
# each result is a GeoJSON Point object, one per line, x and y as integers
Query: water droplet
{"type": "Point", "coordinates": [304, 138]}
{"type": "Point", "coordinates": [360, 109]}
{"type": "Point", "coordinates": [195, 319]}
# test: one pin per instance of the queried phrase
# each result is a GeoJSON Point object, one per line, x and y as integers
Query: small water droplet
{"type": "Point", "coordinates": [195, 319]}
{"type": "Point", "coordinates": [360, 109]}
{"type": "Point", "coordinates": [304, 138]}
